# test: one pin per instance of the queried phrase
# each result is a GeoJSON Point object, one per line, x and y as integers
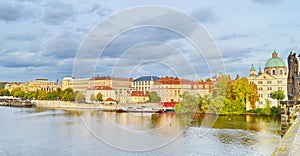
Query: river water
{"type": "Point", "coordinates": [36, 131]}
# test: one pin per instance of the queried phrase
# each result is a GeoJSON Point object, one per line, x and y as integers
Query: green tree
{"type": "Point", "coordinates": [221, 85]}
{"type": "Point", "coordinates": [14, 90]}
{"type": "Point", "coordinates": [188, 104]}
{"type": "Point", "coordinates": [19, 93]}
{"type": "Point", "coordinates": [244, 91]}
{"type": "Point", "coordinates": [4, 92]}
{"type": "Point", "coordinates": [67, 94]}
{"type": "Point", "coordinates": [99, 97]}
{"type": "Point", "coordinates": [278, 95]}
{"type": "Point", "coordinates": [93, 97]}
{"type": "Point", "coordinates": [267, 109]}
{"type": "Point", "coordinates": [153, 97]}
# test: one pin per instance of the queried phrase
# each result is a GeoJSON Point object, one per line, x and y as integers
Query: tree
{"type": "Point", "coordinates": [4, 92]}
{"type": "Point", "coordinates": [93, 98]}
{"type": "Point", "coordinates": [153, 97]}
{"type": "Point", "coordinates": [221, 85]}
{"type": "Point", "coordinates": [267, 109]}
{"type": "Point", "coordinates": [19, 93]}
{"type": "Point", "coordinates": [244, 91]}
{"type": "Point", "coordinates": [67, 94]}
{"type": "Point", "coordinates": [99, 97]}
{"type": "Point", "coordinates": [253, 95]}
{"type": "Point", "coordinates": [79, 97]}
{"type": "Point", "coordinates": [14, 90]}
{"type": "Point", "coordinates": [278, 95]}
{"type": "Point", "coordinates": [188, 104]}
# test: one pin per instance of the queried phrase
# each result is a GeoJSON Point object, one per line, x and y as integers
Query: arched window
{"type": "Point", "coordinates": [281, 72]}
{"type": "Point", "coordinates": [273, 72]}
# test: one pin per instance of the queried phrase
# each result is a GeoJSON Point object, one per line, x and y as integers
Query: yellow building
{"type": "Point", "coordinates": [139, 96]}
{"type": "Point", "coordinates": [11, 86]}
{"type": "Point", "coordinates": [106, 91]}
{"type": "Point", "coordinates": [274, 78]}
{"type": "Point", "coordinates": [169, 89]}
{"type": "Point", "coordinates": [84, 83]}
{"type": "Point", "coordinates": [41, 84]}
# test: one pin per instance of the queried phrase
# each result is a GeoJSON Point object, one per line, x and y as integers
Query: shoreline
{"type": "Point", "coordinates": [67, 104]}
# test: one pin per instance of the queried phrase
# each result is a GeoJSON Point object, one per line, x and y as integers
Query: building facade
{"type": "Point", "coordinates": [272, 79]}
{"type": "Point", "coordinates": [169, 89]}
{"type": "Point", "coordinates": [42, 84]}
{"type": "Point", "coordinates": [144, 83]}
{"type": "Point", "coordinates": [106, 91]}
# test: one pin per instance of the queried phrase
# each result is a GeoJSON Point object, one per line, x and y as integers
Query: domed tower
{"type": "Point", "coordinates": [275, 66]}
{"type": "Point", "coordinates": [252, 71]}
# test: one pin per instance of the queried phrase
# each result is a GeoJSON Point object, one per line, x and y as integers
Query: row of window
{"type": "Point", "coordinates": [268, 88]}
{"type": "Point", "coordinates": [269, 82]}
{"type": "Point", "coordinates": [261, 102]}
{"type": "Point", "coordinates": [142, 82]}
{"type": "Point", "coordinates": [262, 95]}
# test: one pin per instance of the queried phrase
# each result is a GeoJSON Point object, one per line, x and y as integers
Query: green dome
{"type": "Point", "coordinates": [275, 61]}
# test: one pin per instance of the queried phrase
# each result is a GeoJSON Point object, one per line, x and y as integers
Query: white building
{"type": "Point", "coordinates": [144, 83]}
{"type": "Point", "coordinates": [274, 78]}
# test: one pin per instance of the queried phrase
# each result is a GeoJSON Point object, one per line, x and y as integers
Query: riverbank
{"type": "Point", "coordinates": [64, 104]}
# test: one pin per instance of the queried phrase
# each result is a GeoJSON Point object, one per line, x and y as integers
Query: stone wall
{"type": "Point", "coordinates": [63, 104]}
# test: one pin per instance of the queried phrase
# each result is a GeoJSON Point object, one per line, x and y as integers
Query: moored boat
{"type": "Point", "coordinates": [15, 102]}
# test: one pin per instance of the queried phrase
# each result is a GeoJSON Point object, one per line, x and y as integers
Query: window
{"type": "Point", "coordinates": [269, 82]}
{"type": "Point", "coordinates": [281, 72]}
{"type": "Point", "coordinates": [273, 72]}
{"type": "Point", "coordinates": [279, 88]}
{"type": "Point", "coordinates": [269, 88]}
{"type": "Point", "coordinates": [260, 82]}
{"type": "Point", "coordinates": [260, 88]}
{"type": "Point", "coordinates": [279, 82]}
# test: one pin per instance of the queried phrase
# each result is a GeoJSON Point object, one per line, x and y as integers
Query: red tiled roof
{"type": "Point", "coordinates": [100, 88]}
{"type": "Point", "coordinates": [111, 78]}
{"type": "Point", "coordinates": [171, 80]}
{"type": "Point", "coordinates": [110, 99]}
{"type": "Point", "coordinates": [139, 93]}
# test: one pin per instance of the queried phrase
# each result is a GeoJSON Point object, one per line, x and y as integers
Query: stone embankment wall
{"type": "Point", "coordinates": [64, 104]}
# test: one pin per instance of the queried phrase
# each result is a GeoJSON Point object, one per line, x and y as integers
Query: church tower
{"type": "Point", "coordinates": [252, 71]}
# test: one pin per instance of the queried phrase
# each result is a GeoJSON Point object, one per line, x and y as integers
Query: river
{"type": "Point", "coordinates": [38, 131]}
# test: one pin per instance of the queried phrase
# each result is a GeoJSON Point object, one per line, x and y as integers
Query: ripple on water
{"type": "Point", "coordinates": [230, 142]}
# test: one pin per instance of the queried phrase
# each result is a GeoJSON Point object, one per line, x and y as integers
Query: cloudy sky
{"type": "Point", "coordinates": [42, 38]}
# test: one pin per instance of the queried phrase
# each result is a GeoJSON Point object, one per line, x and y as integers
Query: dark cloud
{"type": "Point", "coordinates": [19, 59]}
{"type": "Point", "coordinates": [57, 12]}
{"type": "Point", "coordinates": [63, 45]}
{"type": "Point", "coordinates": [267, 2]}
{"type": "Point", "coordinates": [233, 36]}
{"type": "Point", "coordinates": [205, 15]}
{"type": "Point", "coordinates": [10, 11]}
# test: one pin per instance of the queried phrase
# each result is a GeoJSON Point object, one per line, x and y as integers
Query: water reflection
{"type": "Point", "coordinates": [270, 124]}
{"type": "Point", "coordinates": [75, 132]}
